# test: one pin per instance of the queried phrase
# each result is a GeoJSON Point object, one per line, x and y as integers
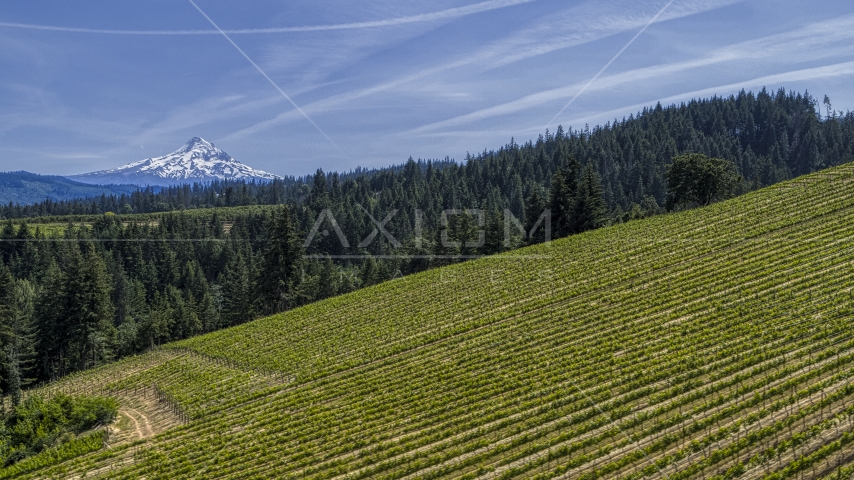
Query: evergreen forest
{"type": "Point", "coordinates": [85, 282]}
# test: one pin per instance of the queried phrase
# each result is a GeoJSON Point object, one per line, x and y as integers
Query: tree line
{"type": "Point", "coordinates": [121, 284]}
{"type": "Point", "coordinates": [770, 136]}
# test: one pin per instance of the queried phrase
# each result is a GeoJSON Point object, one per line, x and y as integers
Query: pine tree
{"type": "Point", "coordinates": [535, 208]}
{"type": "Point", "coordinates": [54, 334]}
{"type": "Point", "coordinates": [89, 309]}
{"type": "Point", "coordinates": [319, 197]}
{"type": "Point", "coordinates": [7, 314]}
{"type": "Point", "coordinates": [7, 249]}
{"type": "Point", "coordinates": [494, 233]}
{"type": "Point", "coordinates": [237, 305]}
{"type": "Point", "coordinates": [19, 351]}
{"type": "Point", "coordinates": [279, 274]}
{"type": "Point", "coordinates": [370, 272]}
{"type": "Point", "coordinates": [589, 208]}
{"type": "Point", "coordinates": [7, 282]}
{"type": "Point", "coordinates": [328, 279]}
{"type": "Point", "coordinates": [562, 196]}
{"type": "Point", "coordinates": [157, 327]}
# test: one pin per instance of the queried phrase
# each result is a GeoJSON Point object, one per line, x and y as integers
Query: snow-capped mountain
{"type": "Point", "coordinates": [197, 161]}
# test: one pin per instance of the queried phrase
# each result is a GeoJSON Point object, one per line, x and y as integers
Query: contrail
{"type": "Point", "coordinates": [650, 22]}
{"type": "Point", "coordinates": [274, 84]}
{"type": "Point", "coordinates": [424, 17]}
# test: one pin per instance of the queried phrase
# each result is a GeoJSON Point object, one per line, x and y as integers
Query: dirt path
{"type": "Point", "coordinates": [143, 431]}
{"type": "Point", "coordinates": [124, 411]}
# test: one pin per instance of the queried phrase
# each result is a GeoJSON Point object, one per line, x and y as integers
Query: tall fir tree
{"type": "Point", "coordinates": [562, 195]}
{"type": "Point", "coordinates": [54, 337]}
{"type": "Point", "coordinates": [535, 210]}
{"type": "Point", "coordinates": [279, 276]}
{"type": "Point", "coordinates": [589, 206]}
{"type": "Point", "coordinates": [237, 305]}
{"type": "Point", "coordinates": [89, 309]}
{"type": "Point", "coordinates": [19, 349]}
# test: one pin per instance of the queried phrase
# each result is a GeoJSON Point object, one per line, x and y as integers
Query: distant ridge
{"type": "Point", "coordinates": [27, 188]}
{"type": "Point", "coordinates": [197, 161]}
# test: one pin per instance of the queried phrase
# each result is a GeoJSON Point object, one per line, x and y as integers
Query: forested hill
{"type": "Point", "coordinates": [75, 296]}
{"type": "Point", "coordinates": [770, 137]}
{"type": "Point", "coordinates": [26, 188]}
{"type": "Point", "coordinates": [714, 343]}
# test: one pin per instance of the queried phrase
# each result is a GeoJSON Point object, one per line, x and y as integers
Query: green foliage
{"type": "Point", "coordinates": [237, 301]}
{"type": "Point", "coordinates": [707, 343]}
{"type": "Point", "coordinates": [564, 194]}
{"type": "Point", "coordinates": [279, 279]}
{"type": "Point", "coordinates": [700, 180]}
{"type": "Point", "coordinates": [589, 208]}
{"type": "Point", "coordinates": [120, 284]}
{"type": "Point", "coordinates": [576, 200]}
{"type": "Point", "coordinates": [69, 449]}
{"type": "Point", "coordinates": [38, 424]}
{"type": "Point", "coordinates": [75, 306]}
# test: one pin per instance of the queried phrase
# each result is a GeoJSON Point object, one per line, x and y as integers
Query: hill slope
{"type": "Point", "coordinates": [26, 188]}
{"type": "Point", "coordinates": [704, 343]}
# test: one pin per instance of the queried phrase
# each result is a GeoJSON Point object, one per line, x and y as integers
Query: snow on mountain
{"type": "Point", "coordinates": [197, 161]}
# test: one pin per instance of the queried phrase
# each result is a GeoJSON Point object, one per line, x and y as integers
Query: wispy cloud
{"type": "Point", "coordinates": [563, 28]}
{"type": "Point", "coordinates": [843, 69]}
{"type": "Point", "coordinates": [837, 70]}
{"type": "Point", "coordinates": [264, 74]}
{"type": "Point", "coordinates": [808, 43]}
{"type": "Point", "coordinates": [74, 156]}
{"type": "Point", "coordinates": [615, 57]}
{"type": "Point", "coordinates": [496, 136]}
{"type": "Point", "coordinates": [581, 25]}
{"type": "Point", "coordinates": [385, 79]}
{"type": "Point", "coordinates": [391, 22]}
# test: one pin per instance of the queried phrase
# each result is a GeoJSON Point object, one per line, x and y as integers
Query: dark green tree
{"type": "Point", "coordinates": [589, 206]}
{"type": "Point", "coordinates": [279, 275]}
{"type": "Point", "coordinates": [562, 196]}
{"type": "Point", "coordinates": [237, 305]}
{"type": "Point", "coordinates": [697, 179]}
{"type": "Point", "coordinates": [136, 310]}
{"type": "Point", "coordinates": [53, 342]}
{"type": "Point", "coordinates": [89, 309]}
{"type": "Point", "coordinates": [535, 208]}
{"type": "Point", "coordinates": [19, 337]}
{"type": "Point", "coordinates": [370, 272]}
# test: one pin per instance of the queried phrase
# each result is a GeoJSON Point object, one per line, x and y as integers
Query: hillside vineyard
{"type": "Point", "coordinates": [712, 343]}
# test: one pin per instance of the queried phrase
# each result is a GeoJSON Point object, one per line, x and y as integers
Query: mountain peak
{"type": "Point", "coordinates": [197, 142]}
{"type": "Point", "coordinates": [197, 161]}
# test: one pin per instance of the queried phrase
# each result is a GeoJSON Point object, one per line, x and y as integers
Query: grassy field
{"type": "Point", "coordinates": [714, 343]}
{"type": "Point", "coordinates": [61, 221]}
{"type": "Point", "coordinates": [55, 226]}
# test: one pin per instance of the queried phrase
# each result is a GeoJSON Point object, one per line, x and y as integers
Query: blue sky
{"type": "Point", "coordinates": [91, 85]}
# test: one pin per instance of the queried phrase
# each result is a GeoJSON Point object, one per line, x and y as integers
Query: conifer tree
{"type": "Point", "coordinates": [328, 279]}
{"type": "Point", "coordinates": [589, 206]}
{"type": "Point", "coordinates": [279, 272]}
{"type": "Point", "coordinates": [19, 352]}
{"type": "Point", "coordinates": [6, 285]}
{"type": "Point", "coordinates": [54, 334]}
{"type": "Point", "coordinates": [535, 208]}
{"type": "Point", "coordinates": [370, 272]}
{"type": "Point", "coordinates": [563, 193]}
{"type": "Point", "coordinates": [89, 310]}
{"type": "Point", "coordinates": [237, 305]}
